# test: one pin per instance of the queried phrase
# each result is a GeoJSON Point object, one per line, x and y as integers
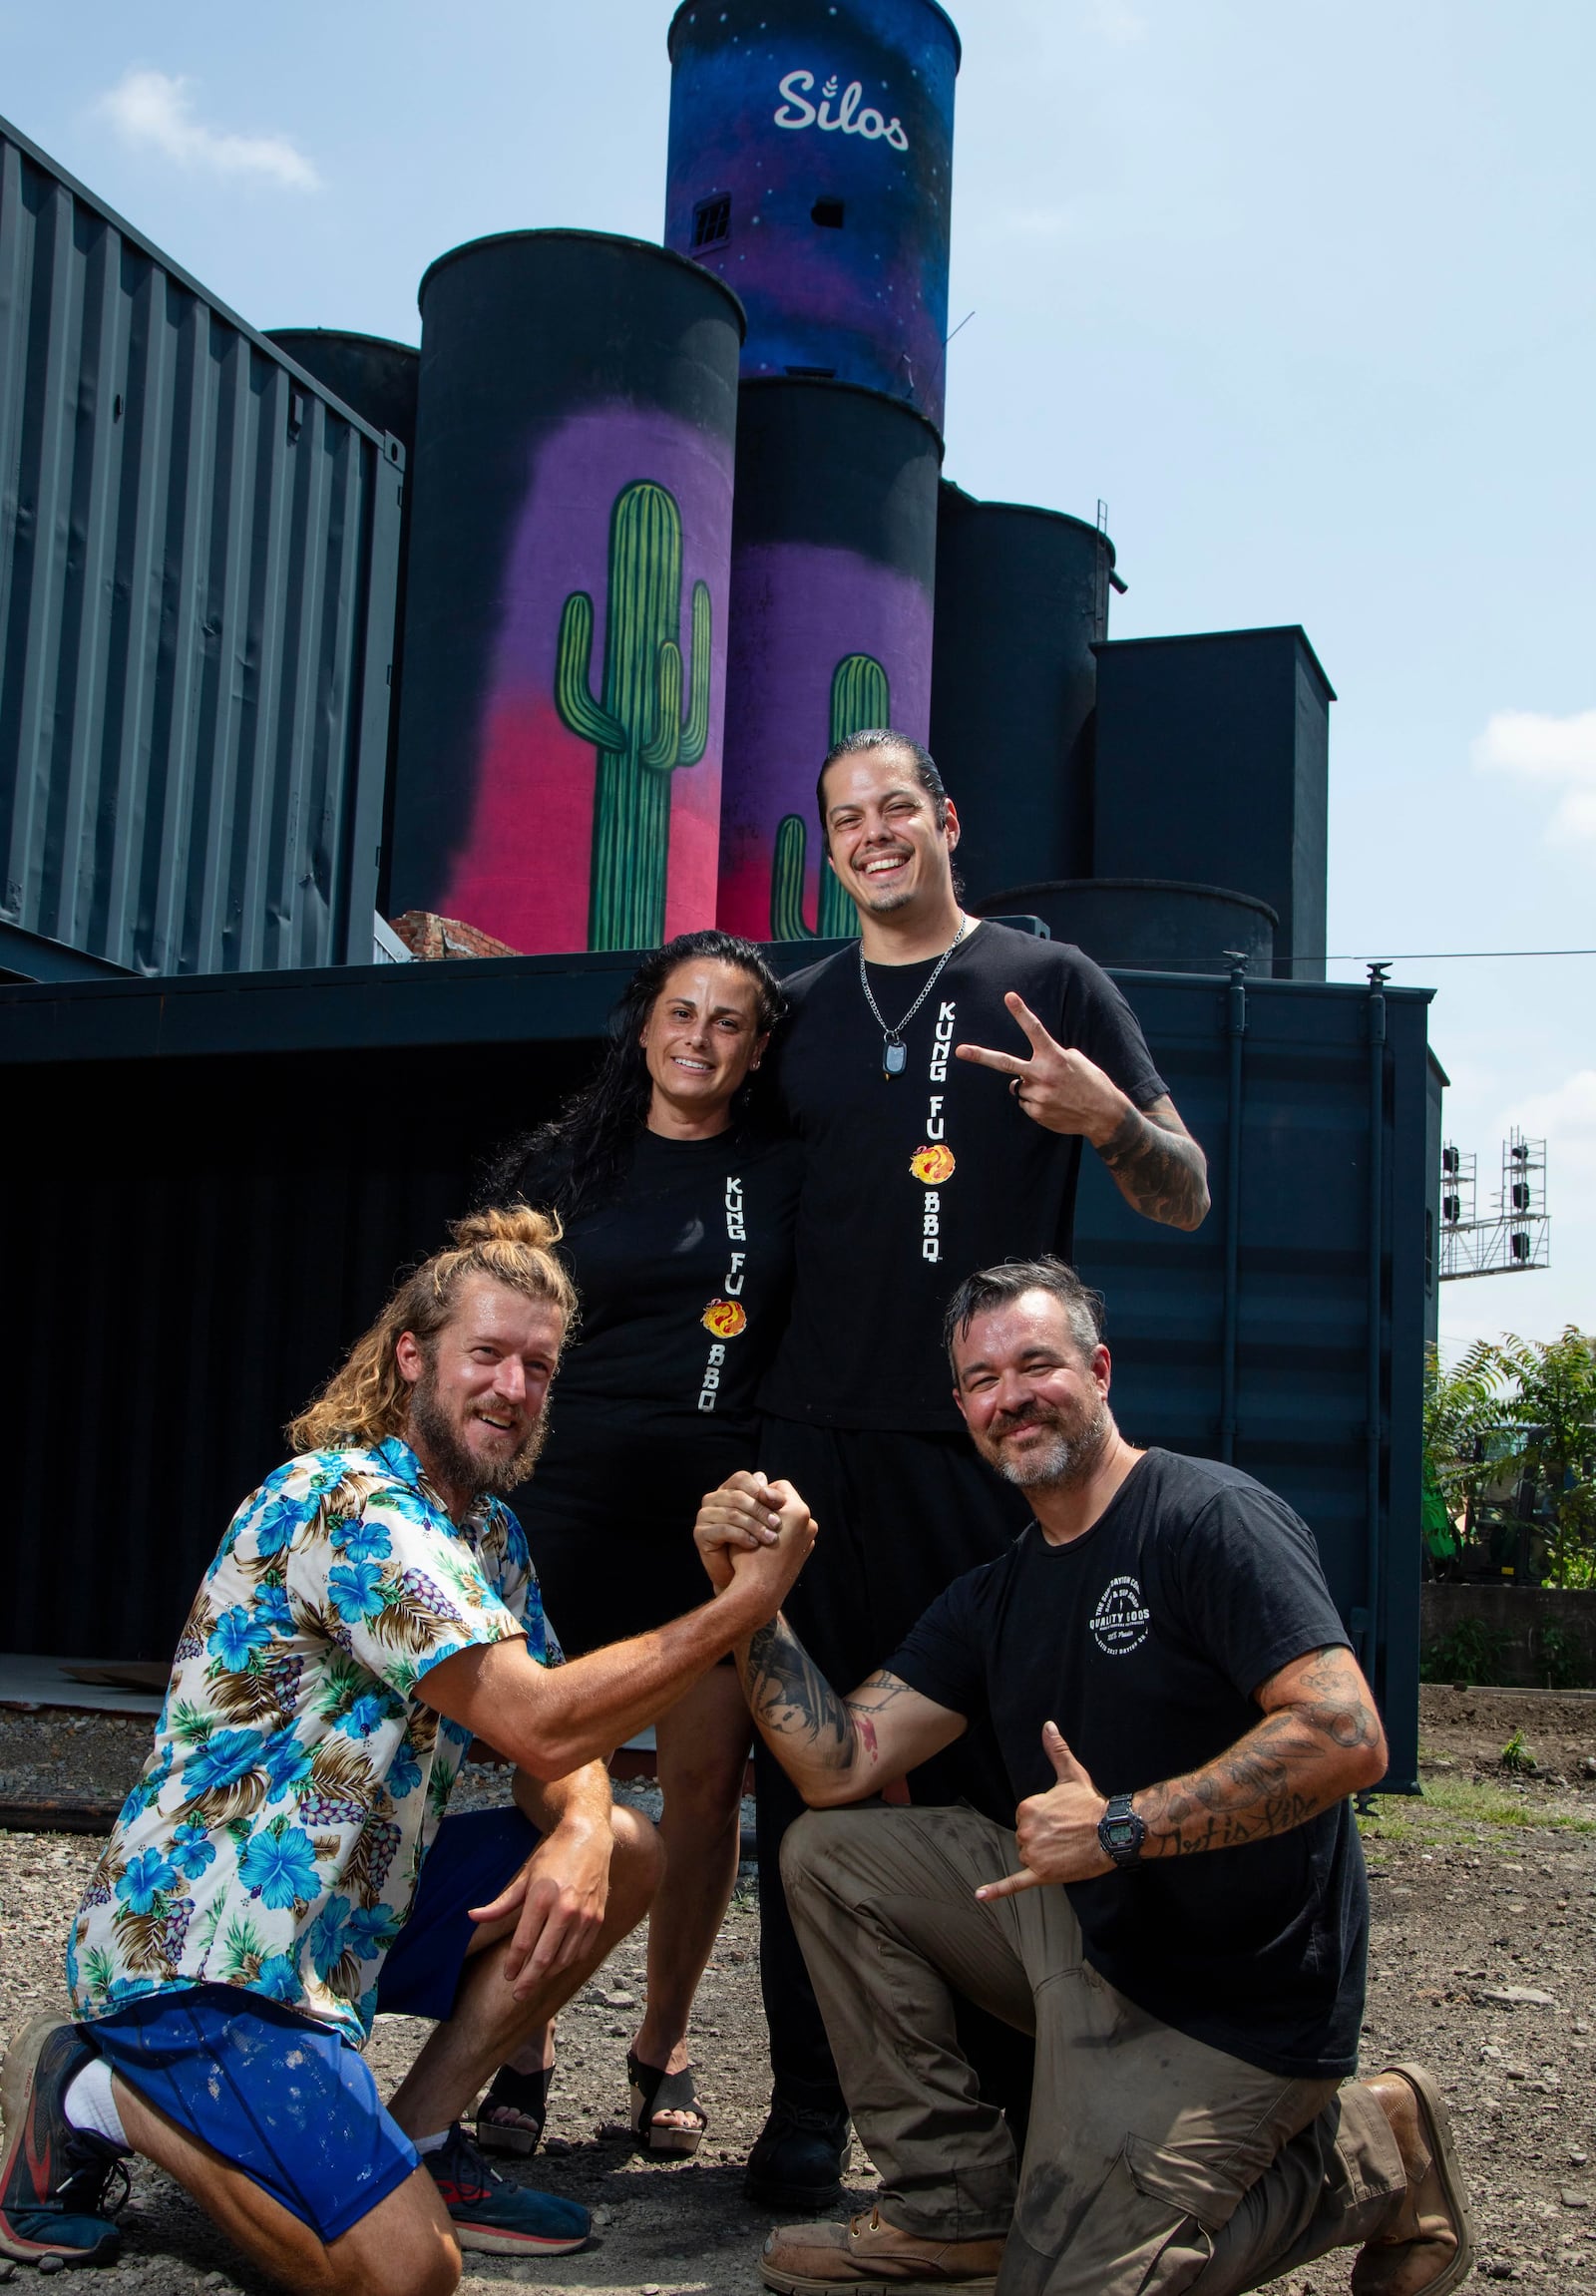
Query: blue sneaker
{"type": "Point", "coordinates": [497, 2218]}
{"type": "Point", "coordinates": [53, 2177]}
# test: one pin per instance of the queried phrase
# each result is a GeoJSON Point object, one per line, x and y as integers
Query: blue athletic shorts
{"type": "Point", "coordinates": [285, 2097]}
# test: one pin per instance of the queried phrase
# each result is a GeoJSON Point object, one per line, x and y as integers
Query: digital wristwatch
{"type": "Point", "coordinates": [1121, 1831]}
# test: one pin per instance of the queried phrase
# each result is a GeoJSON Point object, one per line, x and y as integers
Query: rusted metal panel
{"type": "Point", "coordinates": [198, 558]}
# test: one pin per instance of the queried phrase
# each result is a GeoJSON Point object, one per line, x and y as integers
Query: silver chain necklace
{"type": "Point", "coordinates": [893, 1052]}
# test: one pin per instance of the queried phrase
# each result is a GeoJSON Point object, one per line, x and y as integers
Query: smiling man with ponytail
{"type": "Point", "coordinates": [284, 1868]}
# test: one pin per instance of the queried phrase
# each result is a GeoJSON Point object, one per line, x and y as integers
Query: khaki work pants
{"type": "Point", "coordinates": [1154, 2163]}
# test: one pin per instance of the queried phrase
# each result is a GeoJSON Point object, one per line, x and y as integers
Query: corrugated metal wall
{"type": "Point", "coordinates": [171, 1302]}
{"type": "Point", "coordinates": [199, 556]}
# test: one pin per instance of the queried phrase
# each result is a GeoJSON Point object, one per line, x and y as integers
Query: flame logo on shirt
{"type": "Point", "coordinates": [932, 1165]}
{"type": "Point", "coordinates": [725, 1317]}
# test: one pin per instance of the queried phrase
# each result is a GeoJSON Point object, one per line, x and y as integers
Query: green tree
{"type": "Point", "coordinates": [1552, 1412]}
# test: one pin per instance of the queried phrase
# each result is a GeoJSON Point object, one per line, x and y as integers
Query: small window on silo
{"type": "Point", "coordinates": [830, 215]}
{"type": "Point", "coordinates": [711, 222]}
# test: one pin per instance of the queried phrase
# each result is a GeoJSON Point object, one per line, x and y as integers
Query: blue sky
{"type": "Point", "coordinates": [1303, 292]}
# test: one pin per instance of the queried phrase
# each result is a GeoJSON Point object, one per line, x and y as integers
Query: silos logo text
{"type": "Point", "coordinates": [798, 112]}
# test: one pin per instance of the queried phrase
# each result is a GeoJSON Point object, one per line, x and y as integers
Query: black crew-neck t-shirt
{"type": "Point", "coordinates": [916, 1180]}
{"type": "Point", "coordinates": [685, 1282]}
{"type": "Point", "coordinates": [1144, 1641]}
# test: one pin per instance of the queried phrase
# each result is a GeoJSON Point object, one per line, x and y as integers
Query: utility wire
{"type": "Point", "coordinates": [1443, 955]}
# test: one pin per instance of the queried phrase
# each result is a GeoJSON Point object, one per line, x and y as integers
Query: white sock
{"type": "Point", "coordinates": [426, 2144]}
{"type": "Point", "coordinates": [89, 2104]}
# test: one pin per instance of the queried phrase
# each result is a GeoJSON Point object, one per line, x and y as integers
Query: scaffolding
{"type": "Point", "coordinates": [1509, 1240]}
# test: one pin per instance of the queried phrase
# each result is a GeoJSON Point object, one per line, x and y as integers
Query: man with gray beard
{"type": "Point", "coordinates": [1179, 1914]}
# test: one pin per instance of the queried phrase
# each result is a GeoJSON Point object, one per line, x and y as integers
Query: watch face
{"type": "Point", "coordinates": [1122, 1832]}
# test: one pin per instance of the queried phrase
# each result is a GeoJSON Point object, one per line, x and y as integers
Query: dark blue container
{"type": "Point", "coordinates": [1286, 1334]}
{"type": "Point", "coordinates": [811, 168]}
{"type": "Point", "coordinates": [199, 559]}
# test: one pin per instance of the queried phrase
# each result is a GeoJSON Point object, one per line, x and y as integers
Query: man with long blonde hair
{"type": "Point", "coordinates": [264, 1894]}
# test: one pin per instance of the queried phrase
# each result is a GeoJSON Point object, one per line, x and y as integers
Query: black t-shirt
{"type": "Point", "coordinates": [916, 1180]}
{"type": "Point", "coordinates": [1144, 1641]}
{"type": "Point", "coordinates": [685, 1282]}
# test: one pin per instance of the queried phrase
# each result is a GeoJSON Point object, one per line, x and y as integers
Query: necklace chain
{"type": "Point", "coordinates": [893, 1038]}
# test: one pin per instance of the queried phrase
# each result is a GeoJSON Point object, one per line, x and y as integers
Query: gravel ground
{"type": "Point", "coordinates": [1484, 1920]}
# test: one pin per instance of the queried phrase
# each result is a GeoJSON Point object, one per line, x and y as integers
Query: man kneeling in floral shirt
{"type": "Point", "coordinates": [264, 1893]}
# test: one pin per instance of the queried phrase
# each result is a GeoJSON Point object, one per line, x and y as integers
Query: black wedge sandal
{"type": "Point", "coordinates": [524, 2095]}
{"type": "Point", "coordinates": [656, 2090]}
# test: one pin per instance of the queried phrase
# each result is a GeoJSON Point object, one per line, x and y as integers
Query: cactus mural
{"type": "Point", "coordinates": [638, 728]}
{"type": "Point", "coordinates": [860, 696]}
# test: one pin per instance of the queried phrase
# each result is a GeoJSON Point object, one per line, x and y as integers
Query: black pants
{"type": "Point", "coordinates": [900, 1516]}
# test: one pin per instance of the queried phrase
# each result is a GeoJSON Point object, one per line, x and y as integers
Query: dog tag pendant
{"type": "Point", "coordinates": [894, 1056]}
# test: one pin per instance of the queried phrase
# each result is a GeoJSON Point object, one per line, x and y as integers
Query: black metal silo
{"type": "Point", "coordinates": [558, 772]}
{"type": "Point", "coordinates": [833, 568]}
{"type": "Point", "coordinates": [377, 378]}
{"type": "Point", "coordinates": [1021, 597]}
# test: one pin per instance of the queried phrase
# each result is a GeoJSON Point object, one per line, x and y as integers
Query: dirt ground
{"type": "Point", "coordinates": [1482, 1965]}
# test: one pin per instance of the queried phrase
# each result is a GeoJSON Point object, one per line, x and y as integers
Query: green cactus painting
{"type": "Point", "coordinates": [859, 697]}
{"type": "Point", "coordinates": [638, 728]}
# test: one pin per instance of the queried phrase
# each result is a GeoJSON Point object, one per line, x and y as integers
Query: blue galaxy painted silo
{"type": "Point", "coordinates": [811, 168]}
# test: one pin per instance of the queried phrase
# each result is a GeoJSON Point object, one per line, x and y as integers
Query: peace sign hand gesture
{"type": "Point", "coordinates": [1058, 1087]}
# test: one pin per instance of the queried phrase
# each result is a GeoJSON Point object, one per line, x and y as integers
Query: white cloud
{"type": "Point", "coordinates": [155, 111]}
{"type": "Point", "coordinates": [1117, 22]}
{"type": "Point", "coordinates": [1558, 753]}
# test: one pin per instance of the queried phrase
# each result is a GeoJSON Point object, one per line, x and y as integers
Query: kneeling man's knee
{"type": "Point", "coordinates": [638, 1858]}
{"type": "Point", "coordinates": [811, 1845]}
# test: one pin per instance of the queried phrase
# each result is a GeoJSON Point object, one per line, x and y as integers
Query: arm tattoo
{"type": "Point", "coordinates": [1284, 1772]}
{"type": "Point", "coordinates": [789, 1698]}
{"type": "Point", "coordinates": [801, 1715]}
{"type": "Point", "coordinates": [1157, 1166]}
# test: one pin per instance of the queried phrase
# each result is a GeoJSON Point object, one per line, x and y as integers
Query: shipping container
{"type": "Point", "coordinates": [833, 571]}
{"type": "Point", "coordinates": [564, 659]}
{"type": "Point", "coordinates": [198, 554]}
{"type": "Point", "coordinates": [811, 168]}
{"type": "Point", "coordinates": [218, 1179]}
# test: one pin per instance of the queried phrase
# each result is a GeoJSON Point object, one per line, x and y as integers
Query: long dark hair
{"type": "Point", "coordinates": [588, 1147]}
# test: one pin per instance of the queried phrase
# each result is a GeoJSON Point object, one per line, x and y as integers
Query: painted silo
{"type": "Point", "coordinates": [1021, 599]}
{"type": "Point", "coordinates": [559, 767]}
{"type": "Point", "coordinates": [811, 168]}
{"type": "Point", "coordinates": [834, 548]}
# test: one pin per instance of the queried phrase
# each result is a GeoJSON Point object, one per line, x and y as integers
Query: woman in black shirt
{"type": "Point", "coordinates": [678, 1217]}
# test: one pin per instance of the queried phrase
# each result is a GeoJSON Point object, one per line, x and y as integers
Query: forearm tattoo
{"type": "Point", "coordinates": [800, 1713]}
{"type": "Point", "coordinates": [1158, 1166]}
{"type": "Point", "coordinates": [1282, 1772]}
{"type": "Point", "coordinates": [791, 1700]}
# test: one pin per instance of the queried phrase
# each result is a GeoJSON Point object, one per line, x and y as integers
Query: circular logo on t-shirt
{"type": "Point", "coordinates": [1119, 1623]}
{"type": "Point", "coordinates": [932, 1165]}
{"type": "Point", "coordinates": [725, 1317]}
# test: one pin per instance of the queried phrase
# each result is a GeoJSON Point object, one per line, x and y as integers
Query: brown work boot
{"type": "Point", "coordinates": [874, 2259]}
{"type": "Point", "coordinates": [1430, 2245]}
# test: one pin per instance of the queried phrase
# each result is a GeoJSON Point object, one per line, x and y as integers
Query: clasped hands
{"type": "Point", "coordinates": [753, 1528]}
{"type": "Point", "coordinates": [1058, 1087]}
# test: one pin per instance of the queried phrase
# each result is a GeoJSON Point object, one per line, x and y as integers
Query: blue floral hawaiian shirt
{"type": "Point", "coordinates": [275, 1836]}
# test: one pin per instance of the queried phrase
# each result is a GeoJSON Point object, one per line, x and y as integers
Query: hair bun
{"type": "Point", "coordinates": [508, 1224]}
